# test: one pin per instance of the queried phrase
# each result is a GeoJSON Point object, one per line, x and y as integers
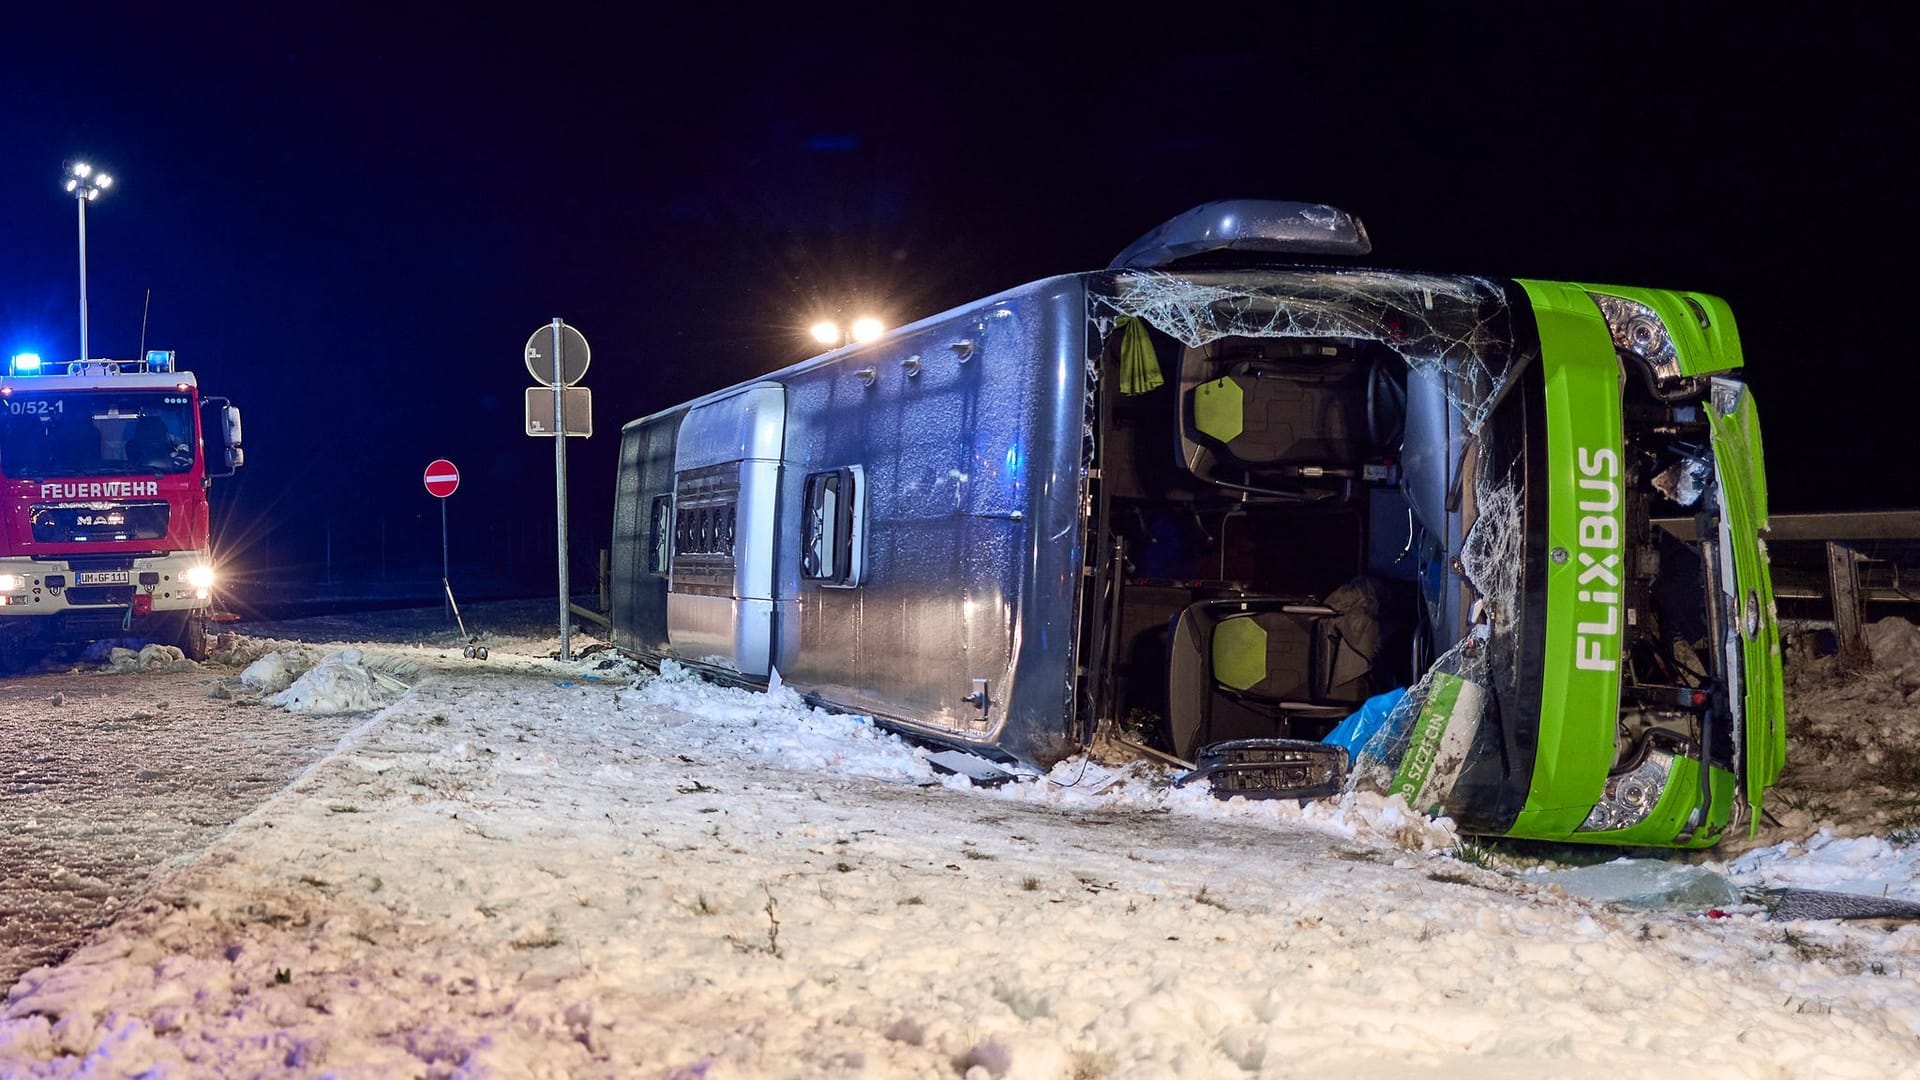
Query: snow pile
{"type": "Point", "coordinates": [274, 672]}
{"type": "Point", "coordinates": [1895, 645]}
{"type": "Point", "coordinates": [1864, 865]}
{"type": "Point", "coordinates": [300, 679]}
{"type": "Point", "coordinates": [1853, 742]}
{"type": "Point", "coordinates": [1362, 816]}
{"type": "Point", "coordinates": [154, 657]}
{"type": "Point", "coordinates": [778, 728]}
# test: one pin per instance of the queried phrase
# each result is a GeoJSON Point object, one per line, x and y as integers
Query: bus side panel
{"type": "Point", "coordinates": [969, 438]}
{"type": "Point", "coordinates": [639, 596]}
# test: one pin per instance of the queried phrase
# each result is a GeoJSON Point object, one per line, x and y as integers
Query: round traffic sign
{"type": "Point", "coordinates": [574, 355]}
{"type": "Point", "coordinates": [442, 478]}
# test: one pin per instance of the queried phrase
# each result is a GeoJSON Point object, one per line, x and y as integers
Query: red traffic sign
{"type": "Point", "coordinates": [442, 478]}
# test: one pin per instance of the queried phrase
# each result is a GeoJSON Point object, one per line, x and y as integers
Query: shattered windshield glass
{"type": "Point", "coordinates": [1456, 330]}
{"type": "Point", "coordinates": [95, 433]}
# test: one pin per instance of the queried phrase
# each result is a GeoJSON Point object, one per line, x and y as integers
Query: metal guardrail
{"type": "Point", "coordinates": [1893, 537]}
{"type": "Point", "coordinates": [1849, 525]}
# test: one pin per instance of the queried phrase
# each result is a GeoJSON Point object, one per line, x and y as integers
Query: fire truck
{"type": "Point", "coordinates": [104, 530]}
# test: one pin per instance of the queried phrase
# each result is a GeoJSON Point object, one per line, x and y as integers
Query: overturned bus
{"type": "Point", "coordinates": [1234, 492]}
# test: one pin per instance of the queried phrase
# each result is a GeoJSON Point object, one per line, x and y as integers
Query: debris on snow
{"type": "Point", "coordinates": [1646, 883]}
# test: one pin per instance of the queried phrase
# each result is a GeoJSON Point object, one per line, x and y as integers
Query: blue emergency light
{"type": "Point", "coordinates": [25, 363]}
{"type": "Point", "coordinates": [159, 359]}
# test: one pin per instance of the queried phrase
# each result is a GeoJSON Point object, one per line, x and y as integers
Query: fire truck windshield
{"type": "Point", "coordinates": [95, 433]}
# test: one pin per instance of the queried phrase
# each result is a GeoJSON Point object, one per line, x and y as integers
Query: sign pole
{"type": "Point", "coordinates": [560, 488]}
{"type": "Point", "coordinates": [442, 479]}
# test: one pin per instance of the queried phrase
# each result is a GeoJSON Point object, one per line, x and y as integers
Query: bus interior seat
{"type": "Point", "coordinates": [1267, 669]}
{"type": "Point", "coordinates": [1262, 414]}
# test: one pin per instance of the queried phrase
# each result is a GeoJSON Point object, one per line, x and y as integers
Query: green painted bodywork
{"type": "Point", "coordinates": [1740, 461]}
{"type": "Point", "coordinates": [1671, 814]}
{"type": "Point", "coordinates": [1579, 708]}
{"type": "Point", "coordinates": [1743, 503]}
{"type": "Point", "coordinates": [1698, 350]}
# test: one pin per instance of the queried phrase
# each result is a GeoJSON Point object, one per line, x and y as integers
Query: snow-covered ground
{"type": "Point", "coordinates": [523, 867]}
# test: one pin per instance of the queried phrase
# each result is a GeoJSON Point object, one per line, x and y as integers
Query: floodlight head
{"type": "Point", "coordinates": [103, 180]}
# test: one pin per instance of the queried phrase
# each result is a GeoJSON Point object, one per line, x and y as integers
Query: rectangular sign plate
{"type": "Point", "coordinates": [103, 577]}
{"type": "Point", "coordinates": [579, 411]}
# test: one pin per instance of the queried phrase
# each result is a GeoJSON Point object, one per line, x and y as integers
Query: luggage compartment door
{"type": "Point", "coordinates": [720, 599]}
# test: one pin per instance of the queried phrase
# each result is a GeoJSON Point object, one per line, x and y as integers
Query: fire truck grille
{"type": "Point", "coordinates": [85, 595]}
{"type": "Point", "coordinates": [69, 523]}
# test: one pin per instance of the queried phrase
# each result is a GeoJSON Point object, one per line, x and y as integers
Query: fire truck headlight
{"type": "Point", "coordinates": [12, 582]}
{"type": "Point", "coordinates": [200, 577]}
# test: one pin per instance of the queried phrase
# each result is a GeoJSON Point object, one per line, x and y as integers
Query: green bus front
{"type": "Point", "coordinates": [1414, 516]}
{"type": "Point", "coordinates": [1660, 718]}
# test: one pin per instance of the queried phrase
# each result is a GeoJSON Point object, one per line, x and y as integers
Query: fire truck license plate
{"type": "Point", "coordinates": [102, 577]}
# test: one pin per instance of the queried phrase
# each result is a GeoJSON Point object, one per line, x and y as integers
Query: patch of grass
{"type": "Point", "coordinates": [306, 879]}
{"type": "Point", "coordinates": [695, 788]}
{"type": "Point", "coordinates": [1806, 949]}
{"type": "Point", "coordinates": [772, 947]}
{"type": "Point", "coordinates": [972, 853]}
{"type": "Point", "coordinates": [843, 867]}
{"type": "Point", "coordinates": [539, 941]}
{"type": "Point", "coordinates": [912, 901]}
{"type": "Point", "coordinates": [1900, 766]}
{"type": "Point", "coordinates": [1451, 877]}
{"type": "Point", "coordinates": [1358, 855]}
{"type": "Point", "coordinates": [1031, 884]}
{"type": "Point", "coordinates": [1474, 853]}
{"type": "Point", "coordinates": [1203, 897]}
{"type": "Point", "coordinates": [283, 976]}
{"type": "Point", "coordinates": [703, 906]}
{"type": "Point", "coordinates": [1091, 1066]}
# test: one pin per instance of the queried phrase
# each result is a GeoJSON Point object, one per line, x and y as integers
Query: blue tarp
{"type": "Point", "coordinates": [1359, 729]}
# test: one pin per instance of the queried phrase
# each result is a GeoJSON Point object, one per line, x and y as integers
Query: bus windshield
{"type": "Point", "coordinates": [95, 433]}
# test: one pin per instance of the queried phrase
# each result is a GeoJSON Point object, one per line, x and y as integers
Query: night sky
{"type": "Point", "coordinates": [351, 224]}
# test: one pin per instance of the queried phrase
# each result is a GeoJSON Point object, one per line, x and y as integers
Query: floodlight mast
{"type": "Point", "coordinates": [85, 183]}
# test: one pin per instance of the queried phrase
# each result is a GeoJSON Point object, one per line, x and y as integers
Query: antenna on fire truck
{"type": "Point", "coordinates": [148, 306]}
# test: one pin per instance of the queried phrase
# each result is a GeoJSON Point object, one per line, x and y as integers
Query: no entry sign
{"type": "Point", "coordinates": [442, 478]}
